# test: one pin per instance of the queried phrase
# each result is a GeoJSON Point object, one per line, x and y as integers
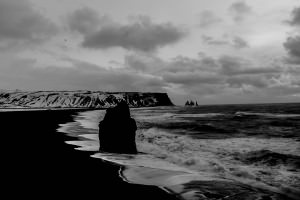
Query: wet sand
{"type": "Point", "coordinates": [39, 164]}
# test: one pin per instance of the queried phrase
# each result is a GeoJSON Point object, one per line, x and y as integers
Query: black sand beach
{"type": "Point", "coordinates": [38, 164]}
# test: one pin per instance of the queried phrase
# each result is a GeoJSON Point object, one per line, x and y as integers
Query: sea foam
{"type": "Point", "coordinates": [183, 159]}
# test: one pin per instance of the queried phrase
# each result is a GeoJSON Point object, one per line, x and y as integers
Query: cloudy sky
{"type": "Point", "coordinates": [212, 51]}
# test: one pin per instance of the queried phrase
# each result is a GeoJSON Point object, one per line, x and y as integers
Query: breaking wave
{"type": "Point", "coordinates": [272, 115]}
{"type": "Point", "coordinates": [270, 158]}
{"type": "Point", "coordinates": [271, 163]}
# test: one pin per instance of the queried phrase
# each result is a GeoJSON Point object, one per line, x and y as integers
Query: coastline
{"type": "Point", "coordinates": [38, 161]}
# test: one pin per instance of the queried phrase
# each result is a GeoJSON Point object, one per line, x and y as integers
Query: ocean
{"type": "Point", "coordinates": [206, 152]}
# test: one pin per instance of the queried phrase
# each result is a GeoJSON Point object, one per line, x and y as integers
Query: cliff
{"type": "Point", "coordinates": [80, 99]}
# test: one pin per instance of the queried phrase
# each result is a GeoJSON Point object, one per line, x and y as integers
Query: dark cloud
{"type": "Point", "coordinates": [193, 78]}
{"type": "Point", "coordinates": [180, 64]}
{"type": "Point", "coordinates": [19, 21]}
{"type": "Point", "coordinates": [240, 10]}
{"type": "Point", "coordinates": [87, 21]}
{"type": "Point", "coordinates": [185, 71]}
{"type": "Point", "coordinates": [259, 81]}
{"type": "Point", "coordinates": [239, 43]}
{"type": "Point", "coordinates": [141, 34]}
{"type": "Point", "coordinates": [236, 42]}
{"type": "Point", "coordinates": [136, 63]}
{"type": "Point", "coordinates": [140, 62]}
{"type": "Point", "coordinates": [208, 18]}
{"type": "Point", "coordinates": [284, 91]}
{"type": "Point", "coordinates": [295, 20]}
{"type": "Point", "coordinates": [23, 74]}
{"type": "Point", "coordinates": [84, 20]}
{"type": "Point", "coordinates": [292, 45]}
{"type": "Point", "coordinates": [209, 62]}
{"type": "Point", "coordinates": [186, 64]}
{"type": "Point", "coordinates": [144, 62]}
{"type": "Point", "coordinates": [223, 66]}
{"type": "Point", "coordinates": [231, 65]}
{"type": "Point", "coordinates": [212, 41]}
{"type": "Point", "coordinates": [207, 75]}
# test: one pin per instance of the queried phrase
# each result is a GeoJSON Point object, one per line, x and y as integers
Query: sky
{"type": "Point", "coordinates": [209, 51]}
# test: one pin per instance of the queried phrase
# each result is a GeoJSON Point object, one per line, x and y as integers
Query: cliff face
{"type": "Point", "coordinates": [80, 99]}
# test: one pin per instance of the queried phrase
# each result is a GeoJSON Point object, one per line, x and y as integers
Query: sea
{"type": "Point", "coordinates": [206, 152]}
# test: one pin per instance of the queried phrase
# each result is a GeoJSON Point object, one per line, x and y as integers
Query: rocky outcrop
{"type": "Point", "coordinates": [191, 103]}
{"type": "Point", "coordinates": [80, 99]}
{"type": "Point", "coordinates": [117, 130]}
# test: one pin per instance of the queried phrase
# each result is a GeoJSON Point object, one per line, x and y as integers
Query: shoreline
{"type": "Point", "coordinates": [139, 170]}
{"type": "Point", "coordinates": [37, 160]}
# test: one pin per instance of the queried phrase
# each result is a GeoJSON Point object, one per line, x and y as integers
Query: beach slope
{"type": "Point", "coordinates": [38, 163]}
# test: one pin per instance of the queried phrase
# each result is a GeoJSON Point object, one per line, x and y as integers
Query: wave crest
{"type": "Point", "coordinates": [270, 158]}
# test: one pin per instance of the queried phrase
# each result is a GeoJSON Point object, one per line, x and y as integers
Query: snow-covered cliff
{"type": "Point", "coordinates": [79, 99]}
